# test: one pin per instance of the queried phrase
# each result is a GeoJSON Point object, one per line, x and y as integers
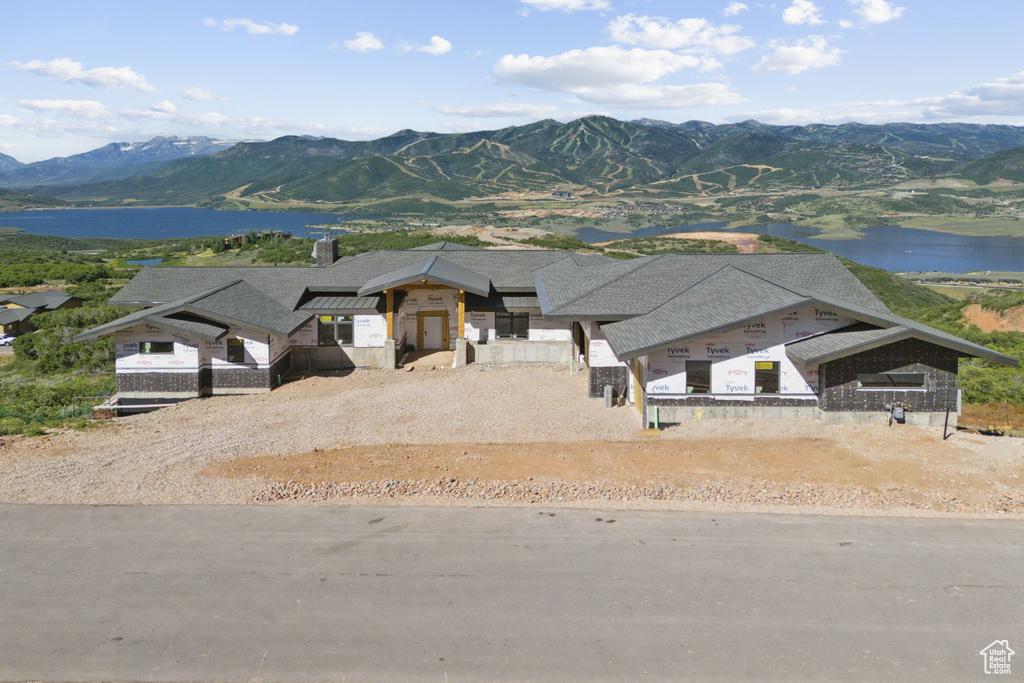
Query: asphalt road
{"type": "Point", "coordinates": [434, 594]}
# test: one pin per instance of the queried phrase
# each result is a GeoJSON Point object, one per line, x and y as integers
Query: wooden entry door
{"type": "Point", "coordinates": [432, 327]}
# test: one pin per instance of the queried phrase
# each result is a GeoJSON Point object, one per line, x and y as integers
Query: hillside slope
{"type": "Point", "coordinates": [597, 153]}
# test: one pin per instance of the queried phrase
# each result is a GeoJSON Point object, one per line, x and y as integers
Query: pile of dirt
{"type": "Point", "coordinates": [919, 472]}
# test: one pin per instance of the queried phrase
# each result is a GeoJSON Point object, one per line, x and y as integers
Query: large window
{"type": "Point", "coordinates": [335, 330]}
{"type": "Point", "coordinates": [236, 351]}
{"type": "Point", "coordinates": [511, 325]}
{"type": "Point", "coordinates": [698, 377]}
{"type": "Point", "coordinates": [892, 380]}
{"type": "Point", "coordinates": [766, 377]}
{"type": "Point", "coordinates": [156, 347]}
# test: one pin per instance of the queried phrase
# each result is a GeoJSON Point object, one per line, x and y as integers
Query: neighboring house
{"type": "Point", "coordinates": [16, 310]}
{"type": "Point", "coordinates": [677, 335]}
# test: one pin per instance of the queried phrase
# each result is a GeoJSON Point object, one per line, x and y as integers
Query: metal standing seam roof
{"type": "Point", "coordinates": [342, 304]}
{"type": "Point", "coordinates": [499, 302]}
{"type": "Point", "coordinates": [433, 270]}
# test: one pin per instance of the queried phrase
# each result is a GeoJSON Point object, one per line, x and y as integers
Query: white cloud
{"type": "Point", "coordinates": [876, 11]}
{"type": "Point", "coordinates": [6, 121]}
{"type": "Point", "coordinates": [662, 96]}
{"type": "Point", "coordinates": [165, 106]}
{"type": "Point", "coordinates": [1003, 97]}
{"type": "Point", "coordinates": [802, 12]}
{"type": "Point", "coordinates": [693, 35]}
{"type": "Point", "coordinates": [86, 109]}
{"type": "Point", "coordinates": [500, 110]}
{"type": "Point", "coordinates": [49, 128]}
{"type": "Point", "coordinates": [363, 42]}
{"type": "Point", "coordinates": [802, 117]}
{"type": "Point", "coordinates": [734, 8]}
{"type": "Point", "coordinates": [845, 23]}
{"type": "Point", "coordinates": [593, 67]}
{"type": "Point", "coordinates": [253, 28]}
{"type": "Point", "coordinates": [811, 52]}
{"type": "Point", "coordinates": [567, 5]}
{"type": "Point", "coordinates": [197, 94]}
{"type": "Point", "coordinates": [436, 46]}
{"type": "Point", "coordinates": [69, 71]}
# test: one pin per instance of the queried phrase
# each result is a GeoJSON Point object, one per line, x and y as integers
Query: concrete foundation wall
{"type": "Point", "coordinates": [328, 358]}
{"type": "Point", "coordinates": [681, 414]}
{"type": "Point", "coordinates": [501, 351]}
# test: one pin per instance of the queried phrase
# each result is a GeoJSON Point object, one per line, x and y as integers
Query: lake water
{"type": "Point", "coordinates": [160, 223]}
{"type": "Point", "coordinates": [889, 247]}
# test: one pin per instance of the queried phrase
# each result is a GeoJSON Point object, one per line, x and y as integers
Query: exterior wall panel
{"type": "Point", "coordinates": [838, 379]}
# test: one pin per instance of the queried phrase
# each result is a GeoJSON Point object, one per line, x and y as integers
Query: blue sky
{"type": "Point", "coordinates": [78, 75]}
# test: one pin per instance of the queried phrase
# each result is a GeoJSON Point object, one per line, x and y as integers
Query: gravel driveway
{"type": "Point", "coordinates": [372, 426]}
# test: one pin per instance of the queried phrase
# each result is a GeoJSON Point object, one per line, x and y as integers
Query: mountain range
{"type": "Point", "coordinates": [116, 160]}
{"type": "Point", "coordinates": [591, 155]}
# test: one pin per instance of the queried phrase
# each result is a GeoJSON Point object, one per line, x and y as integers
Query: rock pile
{"type": "Point", "coordinates": [743, 491]}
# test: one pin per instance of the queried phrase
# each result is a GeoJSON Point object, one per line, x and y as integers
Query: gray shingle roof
{"type": "Point", "coordinates": [722, 300]}
{"type": "Point", "coordinates": [245, 304]}
{"type": "Point", "coordinates": [576, 286]}
{"type": "Point", "coordinates": [713, 305]}
{"type": "Point", "coordinates": [13, 315]}
{"type": "Point", "coordinates": [629, 288]}
{"type": "Point", "coordinates": [49, 300]}
{"type": "Point", "coordinates": [445, 246]}
{"type": "Point", "coordinates": [152, 316]}
{"type": "Point", "coordinates": [433, 270]}
{"type": "Point", "coordinates": [508, 270]}
{"type": "Point", "coordinates": [846, 341]}
{"type": "Point", "coordinates": [236, 302]}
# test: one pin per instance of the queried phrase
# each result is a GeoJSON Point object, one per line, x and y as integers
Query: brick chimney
{"type": "Point", "coordinates": [326, 251]}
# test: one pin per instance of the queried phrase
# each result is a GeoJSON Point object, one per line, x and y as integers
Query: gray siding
{"type": "Point", "coordinates": [838, 379]}
{"type": "Point", "coordinates": [617, 376]}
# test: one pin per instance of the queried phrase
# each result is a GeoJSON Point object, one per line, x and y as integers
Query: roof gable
{"type": "Point", "coordinates": [434, 270]}
{"type": "Point", "coordinates": [727, 298]}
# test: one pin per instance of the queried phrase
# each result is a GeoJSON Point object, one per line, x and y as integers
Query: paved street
{"type": "Point", "coordinates": [434, 594]}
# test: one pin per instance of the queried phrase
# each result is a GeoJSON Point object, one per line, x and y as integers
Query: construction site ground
{"type": "Point", "coordinates": [523, 435]}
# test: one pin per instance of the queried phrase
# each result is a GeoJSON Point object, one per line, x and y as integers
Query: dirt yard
{"type": "Point", "coordinates": [498, 436]}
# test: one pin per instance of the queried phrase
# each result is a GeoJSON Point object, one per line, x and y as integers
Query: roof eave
{"type": "Point", "coordinates": [633, 353]}
{"type": "Point", "coordinates": [423, 279]}
{"type": "Point", "coordinates": [843, 353]}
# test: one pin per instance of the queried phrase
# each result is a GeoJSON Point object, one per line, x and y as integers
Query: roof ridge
{"type": "Point", "coordinates": [210, 292]}
{"type": "Point", "coordinates": [609, 282]}
{"type": "Point", "coordinates": [709, 276]}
